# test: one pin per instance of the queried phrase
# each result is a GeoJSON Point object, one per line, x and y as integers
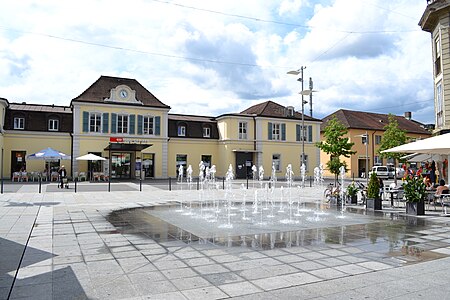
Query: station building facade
{"type": "Point", "coordinates": [120, 120]}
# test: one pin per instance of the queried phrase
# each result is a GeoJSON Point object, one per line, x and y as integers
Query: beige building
{"type": "Point", "coordinates": [360, 124]}
{"type": "Point", "coordinates": [120, 120]}
{"type": "Point", "coordinates": [436, 21]}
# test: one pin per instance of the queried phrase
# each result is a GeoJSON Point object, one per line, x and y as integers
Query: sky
{"type": "Point", "coordinates": [204, 57]}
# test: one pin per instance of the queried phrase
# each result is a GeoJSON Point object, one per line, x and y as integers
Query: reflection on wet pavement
{"type": "Point", "coordinates": [391, 237]}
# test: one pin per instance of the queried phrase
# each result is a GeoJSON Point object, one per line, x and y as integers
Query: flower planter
{"type": "Point", "coordinates": [415, 208]}
{"type": "Point", "coordinates": [374, 204]}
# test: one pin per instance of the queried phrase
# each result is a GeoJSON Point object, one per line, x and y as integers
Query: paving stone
{"type": "Point", "coordinates": [210, 269]}
{"type": "Point", "coordinates": [239, 288]}
{"type": "Point", "coordinates": [204, 293]}
{"type": "Point", "coordinates": [271, 283]}
{"type": "Point", "coordinates": [223, 278]}
{"type": "Point", "coordinates": [190, 283]}
{"type": "Point", "coordinates": [179, 273]}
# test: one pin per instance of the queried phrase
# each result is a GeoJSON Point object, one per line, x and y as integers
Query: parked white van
{"type": "Point", "coordinates": [380, 171]}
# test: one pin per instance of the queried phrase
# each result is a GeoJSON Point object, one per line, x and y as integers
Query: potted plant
{"type": "Point", "coordinates": [415, 194]}
{"type": "Point", "coordinates": [352, 192]}
{"type": "Point", "coordinates": [373, 193]}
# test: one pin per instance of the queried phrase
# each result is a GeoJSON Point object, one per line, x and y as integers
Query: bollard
{"type": "Point", "coordinates": [40, 184]}
{"type": "Point", "coordinates": [140, 184]}
{"type": "Point", "coordinates": [75, 183]}
{"type": "Point", "coordinates": [310, 181]}
{"type": "Point", "coordinates": [170, 184]}
{"type": "Point", "coordinates": [223, 182]}
{"type": "Point", "coordinates": [198, 183]}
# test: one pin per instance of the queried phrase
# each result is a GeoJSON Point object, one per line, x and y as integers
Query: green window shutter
{"type": "Point", "coordinates": [310, 134]}
{"type": "Point", "coordinates": [85, 121]}
{"type": "Point", "coordinates": [139, 125]}
{"type": "Point", "coordinates": [283, 132]}
{"type": "Point", "coordinates": [269, 131]}
{"type": "Point", "coordinates": [113, 123]}
{"type": "Point", "coordinates": [132, 123]}
{"type": "Point", "coordinates": [297, 132]}
{"type": "Point", "coordinates": [105, 122]}
{"type": "Point", "coordinates": [157, 125]}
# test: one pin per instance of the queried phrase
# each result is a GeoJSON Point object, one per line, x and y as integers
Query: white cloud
{"type": "Point", "coordinates": [359, 71]}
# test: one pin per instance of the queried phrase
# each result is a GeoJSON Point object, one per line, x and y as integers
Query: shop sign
{"type": "Point", "coordinates": [128, 140]}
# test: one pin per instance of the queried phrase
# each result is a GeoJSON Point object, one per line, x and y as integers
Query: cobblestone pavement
{"type": "Point", "coordinates": [66, 245]}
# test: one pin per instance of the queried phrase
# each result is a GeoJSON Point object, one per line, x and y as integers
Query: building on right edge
{"type": "Point", "coordinates": [436, 20]}
{"type": "Point", "coordinates": [366, 130]}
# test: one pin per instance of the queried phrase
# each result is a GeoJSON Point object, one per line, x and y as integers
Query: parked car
{"type": "Point", "coordinates": [400, 172]}
{"type": "Point", "coordinates": [380, 171]}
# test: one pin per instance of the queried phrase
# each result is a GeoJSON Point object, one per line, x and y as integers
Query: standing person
{"type": "Point", "coordinates": [433, 173]}
{"type": "Point", "coordinates": [62, 175]}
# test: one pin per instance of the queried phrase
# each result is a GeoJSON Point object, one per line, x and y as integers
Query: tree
{"type": "Point", "coordinates": [392, 137]}
{"type": "Point", "coordinates": [336, 145]}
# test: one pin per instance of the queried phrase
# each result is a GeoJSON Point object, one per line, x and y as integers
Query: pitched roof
{"type": "Point", "coordinates": [372, 121]}
{"type": "Point", "coordinates": [204, 119]}
{"type": "Point", "coordinates": [100, 90]}
{"type": "Point", "coordinates": [40, 108]}
{"type": "Point", "coordinates": [274, 110]}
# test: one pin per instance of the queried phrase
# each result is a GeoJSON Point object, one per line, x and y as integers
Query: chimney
{"type": "Point", "coordinates": [408, 115]}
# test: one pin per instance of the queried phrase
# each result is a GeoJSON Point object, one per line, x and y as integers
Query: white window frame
{"type": "Point", "coordinates": [439, 106]}
{"type": "Point", "coordinates": [243, 130]}
{"type": "Point", "coordinates": [122, 124]}
{"type": "Point", "coordinates": [276, 161]}
{"type": "Point", "coordinates": [378, 139]}
{"type": "Point", "coordinates": [19, 123]}
{"type": "Point", "coordinates": [206, 132]}
{"type": "Point", "coordinates": [53, 125]}
{"type": "Point", "coordinates": [96, 125]}
{"type": "Point", "coordinates": [276, 131]}
{"type": "Point", "coordinates": [181, 130]}
{"type": "Point", "coordinates": [148, 125]}
{"type": "Point", "coordinates": [304, 133]}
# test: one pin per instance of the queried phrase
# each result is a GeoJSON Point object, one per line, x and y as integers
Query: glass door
{"type": "Point", "coordinates": [121, 165]}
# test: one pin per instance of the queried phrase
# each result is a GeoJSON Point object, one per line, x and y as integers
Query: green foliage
{"type": "Point", "coordinates": [392, 137]}
{"type": "Point", "coordinates": [352, 189]}
{"type": "Point", "coordinates": [334, 165]}
{"type": "Point", "coordinates": [414, 189]}
{"type": "Point", "coordinates": [373, 188]}
{"type": "Point", "coordinates": [336, 145]}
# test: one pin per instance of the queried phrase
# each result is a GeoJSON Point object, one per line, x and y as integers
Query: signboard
{"type": "Point", "coordinates": [128, 140]}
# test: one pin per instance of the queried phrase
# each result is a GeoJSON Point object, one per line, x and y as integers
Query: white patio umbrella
{"type": "Point", "coordinates": [439, 144]}
{"type": "Point", "coordinates": [90, 157]}
{"type": "Point", "coordinates": [421, 157]}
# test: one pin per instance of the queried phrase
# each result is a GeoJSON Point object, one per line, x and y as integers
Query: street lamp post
{"type": "Point", "coordinates": [300, 72]}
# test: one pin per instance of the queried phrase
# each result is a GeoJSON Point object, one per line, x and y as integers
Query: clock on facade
{"type": "Point", "coordinates": [123, 93]}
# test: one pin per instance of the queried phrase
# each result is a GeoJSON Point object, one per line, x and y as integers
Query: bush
{"type": "Point", "coordinates": [373, 189]}
{"type": "Point", "coordinates": [414, 189]}
{"type": "Point", "coordinates": [352, 189]}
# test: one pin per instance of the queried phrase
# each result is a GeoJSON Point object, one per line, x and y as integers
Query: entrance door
{"type": "Point", "coordinates": [148, 164]}
{"type": "Point", "coordinates": [121, 165]}
{"type": "Point", "coordinates": [244, 161]}
{"type": "Point", "coordinates": [18, 161]}
{"type": "Point", "coordinates": [94, 166]}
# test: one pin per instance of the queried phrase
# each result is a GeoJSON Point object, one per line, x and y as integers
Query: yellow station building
{"type": "Point", "coordinates": [120, 120]}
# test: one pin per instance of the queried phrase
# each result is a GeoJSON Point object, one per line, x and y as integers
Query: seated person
{"type": "Point", "coordinates": [442, 187]}
{"type": "Point", "coordinates": [428, 184]}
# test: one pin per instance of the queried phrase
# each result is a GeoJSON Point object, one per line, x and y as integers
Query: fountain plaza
{"type": "Point", "coordinates": [274, 239]}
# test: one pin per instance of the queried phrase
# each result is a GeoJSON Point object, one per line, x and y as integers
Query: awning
{"type": "Point", "coordinates": [127, 147]}
{"type": "Point", "coordinates": [245, 150]}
